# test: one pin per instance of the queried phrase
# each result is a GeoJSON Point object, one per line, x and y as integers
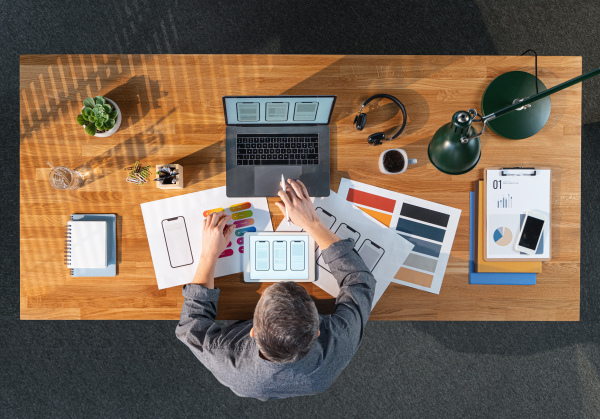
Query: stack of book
{"type": "Point", "coordinates": [493, 272]}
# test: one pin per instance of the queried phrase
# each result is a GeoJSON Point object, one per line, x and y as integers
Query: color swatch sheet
{"type": "Point", "coordinates": [429, 226]}
{"type": "Point", "coordinates": [382, 251]}
{"type": "Point", "coordinates": [509, 195]}
{"type": "Point", "coordinates": [248, 214]}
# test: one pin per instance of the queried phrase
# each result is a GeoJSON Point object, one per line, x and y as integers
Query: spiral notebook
{"type": "Point", "coordinates": [103, 253]}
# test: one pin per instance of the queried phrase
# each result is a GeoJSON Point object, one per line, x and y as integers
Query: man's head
{"type": "Point", "coordinates": [286, 323]}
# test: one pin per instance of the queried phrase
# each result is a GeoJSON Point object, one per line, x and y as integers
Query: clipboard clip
{"type": "Point", "coordinates": [506, 171]}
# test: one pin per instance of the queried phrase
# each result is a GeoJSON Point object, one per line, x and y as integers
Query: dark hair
{"type": "Point", "coordinates": [286, 323]}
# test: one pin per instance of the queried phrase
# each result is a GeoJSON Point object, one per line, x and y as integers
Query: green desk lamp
{"type": "Point", "coordinates": [455, 147]}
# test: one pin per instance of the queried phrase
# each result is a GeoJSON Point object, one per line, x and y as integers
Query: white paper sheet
{"type": "Point", "coordinates": [431, 227]}
{"type": "Point", "coordinates": [508, 200]}
{"type": "Point", "coordinates": [253, 215]}
{"type": "Point", "coordinates": [381, 248]}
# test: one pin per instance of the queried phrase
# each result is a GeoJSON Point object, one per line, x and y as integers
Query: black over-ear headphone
{"type": "Point", "coordinates": [361, 120]}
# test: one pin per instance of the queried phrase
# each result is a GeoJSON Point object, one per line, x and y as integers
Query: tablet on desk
{"type": "Point", "coordinates": [274, 256]}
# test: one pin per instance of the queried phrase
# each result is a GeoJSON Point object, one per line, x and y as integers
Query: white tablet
{"type": "Point", "coordinates": [273, 256]}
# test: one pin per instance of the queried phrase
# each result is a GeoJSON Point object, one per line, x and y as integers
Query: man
{"type": "Point", "coordinates": [288, 349]}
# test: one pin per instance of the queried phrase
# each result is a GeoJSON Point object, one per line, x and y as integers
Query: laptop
{"type": "Point", "coordinates": [270, 136]}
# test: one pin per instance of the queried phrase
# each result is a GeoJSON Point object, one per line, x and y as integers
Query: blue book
{"type": "Point", "coordinates": [490, 278]}
{"type": "Point", "coordinates": [111, 245]}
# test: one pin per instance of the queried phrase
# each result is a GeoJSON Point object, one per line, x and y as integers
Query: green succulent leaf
{"type": "Point", "coordinates": [100, 100]}
{"type": "Point", "coordinates": [90, 129]}
{"type": "Point", "coordinates": [86, 112]}
{"type": "Point", "coordinates": [109, 124]}
{"type": "Point", "coordinates": [105, 118]}
{"type": "Point", "coordinates": [92, 118]}
{"type": "Point", "coordinates": [81, 120]}
{"type": "Point", "coordinates": [89, 102]}
{"type": "Point", "coordinates": [113, 114]}
{"type": "Point", "coordinates": [99, 124]}
{"type": "Point", "coordinates": [107, 108]}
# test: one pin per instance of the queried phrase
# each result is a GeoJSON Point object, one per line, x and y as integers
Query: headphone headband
{"type": "Point", "coordinates": [396, 101]}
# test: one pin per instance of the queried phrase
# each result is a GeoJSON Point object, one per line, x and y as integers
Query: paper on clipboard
{"type": "Point", "coordinates": [508, 195]}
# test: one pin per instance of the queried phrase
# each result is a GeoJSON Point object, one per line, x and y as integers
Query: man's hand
{"type": "Point", "coordinates": [215, 236]}
{"type": "Point", "coordinates": [300, 209]}
{"type": "Point", "coordinates": [302, 213]}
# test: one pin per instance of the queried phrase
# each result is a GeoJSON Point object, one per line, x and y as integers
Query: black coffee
{"type": "Point", "coordinates": [393, 161]}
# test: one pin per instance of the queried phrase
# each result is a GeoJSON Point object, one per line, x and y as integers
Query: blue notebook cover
{"type": "Point", "coordinates": [111, 246]}
{"type": "Point", "coordinates": [490, 278]}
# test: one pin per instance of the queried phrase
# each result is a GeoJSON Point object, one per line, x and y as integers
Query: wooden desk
{"type": "Point", "coordinates": [172, 112]}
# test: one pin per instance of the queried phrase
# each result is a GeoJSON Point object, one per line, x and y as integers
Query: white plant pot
{"type": "Point", "coordinates": [117, 122]}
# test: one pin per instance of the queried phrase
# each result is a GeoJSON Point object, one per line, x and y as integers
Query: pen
{"type": "Point", "coordinates": [287, 217]}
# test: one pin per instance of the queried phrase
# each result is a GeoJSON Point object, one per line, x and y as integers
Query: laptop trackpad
{"type": "Point", "coordinates": [267, 179]}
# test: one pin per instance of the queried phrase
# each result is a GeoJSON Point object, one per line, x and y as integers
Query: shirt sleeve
{"type": "Point", "coordinates": [357, 286]}
{"type": "Point", "coordinates": [197, 324]}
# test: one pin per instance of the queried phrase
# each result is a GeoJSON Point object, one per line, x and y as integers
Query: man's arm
{"type": "Point", "coordinates": [357, 286]}
{"type": "Point", "coordinates": [356, 282]}
{"type": "Point", "coordinates": [199, 310]}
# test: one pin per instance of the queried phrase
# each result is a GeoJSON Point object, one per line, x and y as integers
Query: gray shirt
{"type": "Point", "coordinates": [232, 355]}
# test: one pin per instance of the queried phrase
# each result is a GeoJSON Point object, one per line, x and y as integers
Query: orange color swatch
{"type": "Point", "coordinates": [208, 212]}
{"type": "Point", "coordinates": [379, 216]}
{"type": "Point", "coordinates": [414, 277]}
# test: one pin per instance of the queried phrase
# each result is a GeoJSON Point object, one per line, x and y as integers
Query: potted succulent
{"type": "Point", "coordinates": [100, 116]}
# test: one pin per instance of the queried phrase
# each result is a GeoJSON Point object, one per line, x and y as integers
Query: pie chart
{"type": "Point", "coordinates": [503, 236]}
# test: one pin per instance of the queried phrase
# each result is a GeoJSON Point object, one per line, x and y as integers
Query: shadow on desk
{"type": "Point", "coordinates": [203, 164]}
{"type": "Point", "coordinates": [136, 98]}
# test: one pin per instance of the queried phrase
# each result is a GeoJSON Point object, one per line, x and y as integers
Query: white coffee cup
{"type": "Point", "coordinates": [407, 161]}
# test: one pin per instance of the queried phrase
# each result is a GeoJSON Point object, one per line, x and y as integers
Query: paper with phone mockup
{"type": "Point", "coordinates": [430, 226]}
{"type": "Point", "coordinates": [174, 229]}
{"type": "Point", "coordinates": [381, 249]}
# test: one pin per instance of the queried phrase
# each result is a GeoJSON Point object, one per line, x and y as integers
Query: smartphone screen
{"type": "Point", "coordinates": [327, 218]}
{"type": "Point", "coordinates": [297, 255]}
{"type": "Point", "coordinates": [344, 231]}
{"type": "Point", "coordinates": [262, 255]}
{"type": "Point", "coordinates": [370, 253]}
{"type": "Point", "coordinates": [531, 232]}
{"type": "Point", "coordinates": [177, 241]}
{"type": "Point", "coordinates": [279, 255]}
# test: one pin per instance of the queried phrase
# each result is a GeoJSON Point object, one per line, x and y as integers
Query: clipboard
{"type": "Point", "coordinates": [508, 194]}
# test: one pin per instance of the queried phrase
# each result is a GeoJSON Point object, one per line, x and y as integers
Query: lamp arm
{"type": "Point", "coordinates": [526, 101]}
{"type": "Point", "coordinates": [545, 93]}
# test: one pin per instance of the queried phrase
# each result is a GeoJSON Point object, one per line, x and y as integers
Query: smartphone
{"type": "Point", "coordinates": [327, 218]}
{"type": "Point", "coordinates": [531, 232]}
{"type": "Point", "coordinates": [297, 255]}
{"type": "Point", "coordinates": [279, 255]}
{"type": "Point", "coordinates": [262, 255]}
{"type": "Point", "coordinates": [371, 253]}
{"type": "Point", "coordinates": [344, 231]}
{"type": "Point", "coordinates": [177, 241]}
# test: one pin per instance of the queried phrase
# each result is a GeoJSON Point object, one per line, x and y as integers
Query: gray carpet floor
{"type": "Point", "coordinates": [403, 369]}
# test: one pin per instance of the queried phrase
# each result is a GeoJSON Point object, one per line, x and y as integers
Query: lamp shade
{"type": "Point", "coordinates": [446, 150]}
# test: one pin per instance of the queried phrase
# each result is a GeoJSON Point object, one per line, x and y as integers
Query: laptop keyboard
{"type": "Point", "coordinates": [255, 150]}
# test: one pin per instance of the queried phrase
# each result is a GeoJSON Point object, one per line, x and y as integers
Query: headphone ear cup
{"type": "Point", "coordinates": [360, 121]}
{"type": "Point", "coordinates": [376, 138]}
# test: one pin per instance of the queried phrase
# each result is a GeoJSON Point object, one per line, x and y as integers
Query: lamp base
{"type": "Point", "coordinates": [502, 92]}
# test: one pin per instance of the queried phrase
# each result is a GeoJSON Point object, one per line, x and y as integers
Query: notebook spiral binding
{"type": "Point", "coordinates": [68, 247]}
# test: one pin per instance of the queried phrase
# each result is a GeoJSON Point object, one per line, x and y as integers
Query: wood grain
{"type": "Point", "coordinates": [172, 113]}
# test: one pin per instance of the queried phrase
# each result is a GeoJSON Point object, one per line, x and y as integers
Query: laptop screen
{"type": "Point", "coordinates": [278, 110]}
